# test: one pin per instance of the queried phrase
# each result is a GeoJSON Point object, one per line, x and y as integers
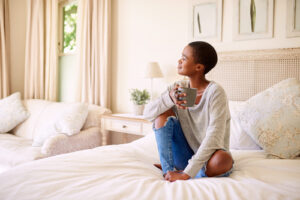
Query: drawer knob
{"type": "Point", "coordinates": [124, 126]}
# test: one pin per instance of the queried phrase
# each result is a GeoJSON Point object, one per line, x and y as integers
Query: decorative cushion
{"type": "Point", "coordinates": [12, 112]}
{"type": "Point", "coordinates": [239, 139]}
{"type": "Point", "coordinates": [57, 118]}
{"type": "Point", "coordinates": [272, 119]}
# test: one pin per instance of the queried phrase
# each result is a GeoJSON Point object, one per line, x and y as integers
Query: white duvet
{"type": "Point", "coordinates": [127, 172]}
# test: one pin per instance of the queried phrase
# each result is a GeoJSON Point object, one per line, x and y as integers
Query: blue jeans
{"type": "Point", "coordinates": [174, 150]}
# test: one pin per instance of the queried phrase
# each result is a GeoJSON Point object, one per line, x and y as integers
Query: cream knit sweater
{"type": "Point", "coordinates": [206, 125]}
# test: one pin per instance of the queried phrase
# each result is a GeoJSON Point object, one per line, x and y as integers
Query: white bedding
{"type": "Point", "coordinates": [127, 172]}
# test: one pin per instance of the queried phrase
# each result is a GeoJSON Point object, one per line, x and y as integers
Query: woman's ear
{"type": "Point", "coordinates": [200, 67]}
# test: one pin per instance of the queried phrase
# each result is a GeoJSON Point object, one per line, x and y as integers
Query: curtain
{"type": "Point", "coordinates": [94, 51]}
{"type": "Point", "coordinates": [41, 50]}
{"type": "Point", "coordinates": [4, 49]}
{"type": "Point", "coordinates": [51, 60]}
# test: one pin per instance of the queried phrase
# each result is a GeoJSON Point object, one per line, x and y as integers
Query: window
{"type": "Point", "coordinates": [68, 56]}
{"type": "Point", "coordinates": [68, 26]}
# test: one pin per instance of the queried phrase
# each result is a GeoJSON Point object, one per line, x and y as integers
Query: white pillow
{"type": "Point", "coordinates": [12, 112]}
{"type": "Point", "coordinates": [60, 118]}
{"type": "Point", "coordinates": [239, 139]}
{"type": "Point", "coordinates": [272, 119]}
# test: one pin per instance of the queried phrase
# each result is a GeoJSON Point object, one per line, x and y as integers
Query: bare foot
{"type": "Point", "coordinates": [158, 166]}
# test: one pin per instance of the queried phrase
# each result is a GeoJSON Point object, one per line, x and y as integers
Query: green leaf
{"type": "Point", "coordinates": [253, 15]}
{"type": "Point", "coordinates": [70, 20]}
{"type": "Point", "coordinates": [198, 20]}
{"type": "Point", "coordinates": [139, 97]}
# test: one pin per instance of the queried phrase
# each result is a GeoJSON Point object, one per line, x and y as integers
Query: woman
{"type": "Point", "coordinates": [193, 142]}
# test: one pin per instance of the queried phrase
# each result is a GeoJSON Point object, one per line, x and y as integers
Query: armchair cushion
{"type": "Point", "coordinates": [60, 118]}
{"type": "Point", "coordinates": [51, 118]}
{"type": "Point", "coordinates": [77, 126]}
{"type": "Point", "coordinates": [58, 144]}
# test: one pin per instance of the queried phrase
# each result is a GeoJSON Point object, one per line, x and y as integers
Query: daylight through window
{"type": "Point", "coordinates": [69, 27]}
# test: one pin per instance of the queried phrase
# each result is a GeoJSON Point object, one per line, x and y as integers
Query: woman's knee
{"type": "Point", "coordinates": [161, 120]}
{"type": "Point", "coordinates": [219, 163]}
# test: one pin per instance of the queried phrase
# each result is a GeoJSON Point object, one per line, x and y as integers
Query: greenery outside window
{"type": "Point", "coordinates": [68, 26]}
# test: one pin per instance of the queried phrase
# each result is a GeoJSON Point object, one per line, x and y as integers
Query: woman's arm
{"type": "Point", "coordinates": [158, 106]}
{"type": "Point", "coordinates": [166, 101]}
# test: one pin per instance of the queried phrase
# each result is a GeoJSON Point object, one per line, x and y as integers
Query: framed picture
{"type": "Point", "coordinates": [293, 18]}
{"type": "Point", "coordinates": [206, 20]}
{"type": "Point", "coordinates": [253, 19]}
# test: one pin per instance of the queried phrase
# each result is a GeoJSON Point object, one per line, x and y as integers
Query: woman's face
{"type": "Point", "coordinates": [186, 65]}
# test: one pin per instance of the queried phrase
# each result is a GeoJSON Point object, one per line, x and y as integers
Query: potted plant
{"type": "Point", "coordinates": [139, 99]}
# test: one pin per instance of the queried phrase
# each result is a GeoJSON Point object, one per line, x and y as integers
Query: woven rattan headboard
{"type": "Point", "coordinates": [245, 73]}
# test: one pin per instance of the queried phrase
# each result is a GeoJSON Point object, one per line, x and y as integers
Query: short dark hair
{"type": "Point", "coordinates": [204, 54]}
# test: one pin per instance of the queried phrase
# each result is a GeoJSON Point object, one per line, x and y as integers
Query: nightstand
{"type": "Point", "coordinates": [124, 123]}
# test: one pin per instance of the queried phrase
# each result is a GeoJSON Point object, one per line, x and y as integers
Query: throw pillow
{"type": "Point", "coordinates": [239, 139]}
{"type": "Point", "coordinates": [12, 112]}
{"type": "Point", "coordinates": [272, 119]}
{"type": "Point", "coordinates": [60, 118]}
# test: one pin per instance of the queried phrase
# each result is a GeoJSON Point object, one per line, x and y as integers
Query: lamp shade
{"type": "Point", "coordinates": [153, 70]}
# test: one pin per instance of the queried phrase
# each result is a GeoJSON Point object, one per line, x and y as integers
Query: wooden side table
{"type": "Point", "coordinates": [124, 123]}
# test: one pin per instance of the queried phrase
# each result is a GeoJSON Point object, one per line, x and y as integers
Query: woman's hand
{"type": "Point", "coordinates": [175, 97]}
{"type": "Point", "coordinates": [173, 176]}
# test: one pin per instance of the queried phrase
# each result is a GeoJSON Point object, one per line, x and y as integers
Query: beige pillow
{"type": "Point", "coordinates": [272, 119]}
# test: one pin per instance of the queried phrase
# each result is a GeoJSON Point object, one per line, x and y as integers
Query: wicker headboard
{"type": "Point", "coordinates": [243, 74]}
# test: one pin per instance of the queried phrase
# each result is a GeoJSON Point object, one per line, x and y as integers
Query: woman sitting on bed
{"type": "Point", "coordinates": [193, 141]}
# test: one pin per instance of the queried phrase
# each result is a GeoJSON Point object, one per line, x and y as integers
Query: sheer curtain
{"type": "Point", "coordinates": [94, 51]}
{"type": "Point", "coordinates": [4, 49]}
{"type": "Point", "coordinates": [41, 50]}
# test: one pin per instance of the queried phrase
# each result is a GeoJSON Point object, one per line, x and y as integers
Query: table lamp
{"type": "Point", "coordinates": [152, 71]}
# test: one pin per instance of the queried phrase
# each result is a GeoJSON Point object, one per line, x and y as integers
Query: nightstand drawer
{"type": "Point", "coordinates": [124, 123]}
{"type": "Point", "coordinates": [124, 126]}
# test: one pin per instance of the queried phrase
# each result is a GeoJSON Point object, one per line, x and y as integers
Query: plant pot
{"type": "Point", "coordinates": [138, 109]}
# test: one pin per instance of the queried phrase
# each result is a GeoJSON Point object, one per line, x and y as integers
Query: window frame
{"type": "Point", "coordinates": [60, 40]}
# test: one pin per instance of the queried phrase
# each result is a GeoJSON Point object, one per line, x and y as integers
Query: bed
{"type": "Point", "coordinates": [126, 171]}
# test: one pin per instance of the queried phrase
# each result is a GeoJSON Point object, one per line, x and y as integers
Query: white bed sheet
{"type": "Point", "coordinates": [127, 172]}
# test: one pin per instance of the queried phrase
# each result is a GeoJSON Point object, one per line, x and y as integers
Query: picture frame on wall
{"type": "Point", "coordinates": [293, 18]}
{"type": "Point", "coordinates": [206, 20]}
{"type": "Point", "coordinates": [253, 19]}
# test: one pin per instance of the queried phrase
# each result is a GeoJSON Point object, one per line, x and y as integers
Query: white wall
{"type": "Point", "coordinates": [143, 31]}
{"type": "Point", "coordinates": [157, 30]}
